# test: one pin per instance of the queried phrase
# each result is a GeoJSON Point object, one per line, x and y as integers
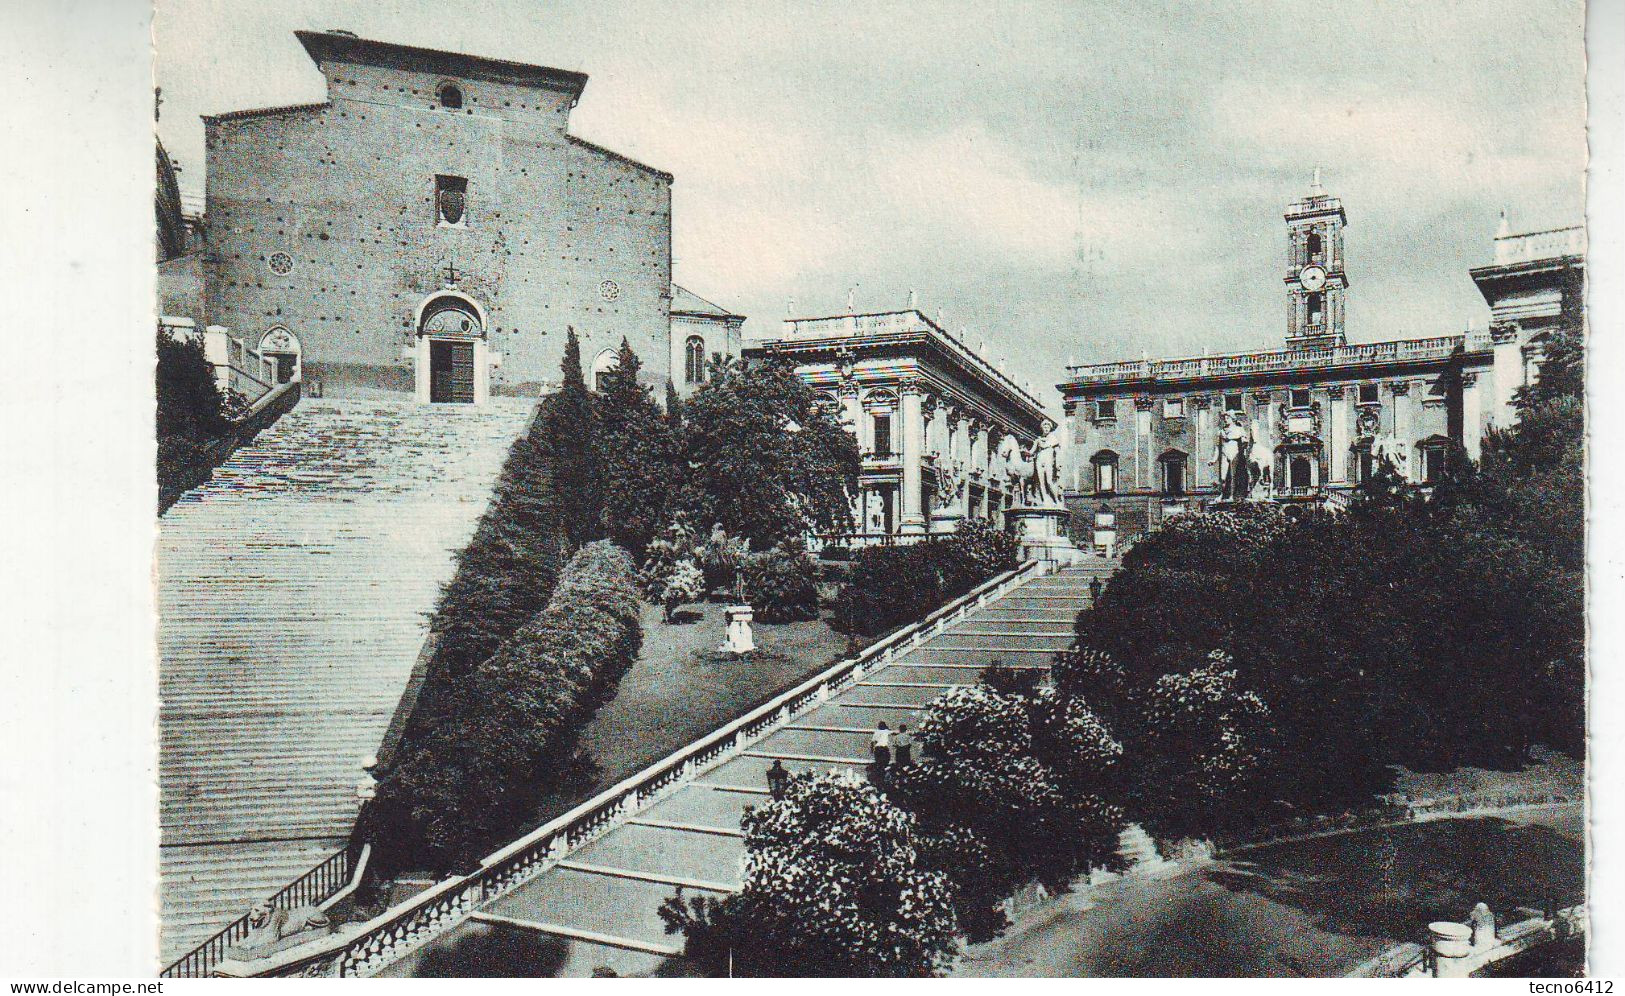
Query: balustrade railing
{"type": "Point", "coordinates": [310, 889]}
{"type": "Point", "coordinates": [398, 932]}
{"type": "Point", "coordinates": [1433, 348]}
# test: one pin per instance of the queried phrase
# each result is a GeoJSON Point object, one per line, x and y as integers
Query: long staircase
{"type": "Point", "coordinates": [596, 909]}
{"type": "Point", "coordinates": [294, 591]}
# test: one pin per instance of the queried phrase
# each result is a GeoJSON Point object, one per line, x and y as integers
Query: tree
{"type": "Point", "coordinates": [763, 458]}
{"type": "Point", "coordinates": [569, 434]}
{"type": "Point", "coordinates": [190, 416]}
{"type": "Point", "coordinates": [834, 886]}
{"type": "Point", "coordinates": [638, 454]}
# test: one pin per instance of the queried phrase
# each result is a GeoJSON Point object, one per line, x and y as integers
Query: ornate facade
{"type": "Point", "coordinates": [928, 413]}
{"type": "Point", "coordinates": [1310, 422]}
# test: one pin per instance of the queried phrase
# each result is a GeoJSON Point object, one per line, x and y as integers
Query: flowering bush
{"type": "Point", "coordinates": [683, 584]}
{"type": "Point", "coordinates": [835, 885]}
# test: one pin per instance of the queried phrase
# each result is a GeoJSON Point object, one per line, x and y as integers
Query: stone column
{"type": "Point", "coordinates": [1508, 374]}
{"type": "Point", "coordinates": [1143, 443]}
{"type": "Point", "coordinates": [912, 517]}
{"type": "Point", "coordinates": [1405, 425]}
{"type": "Point", "coordinates": [1338, 433]}
{"type": "Point", "coordinates": [1202, 436]}
{"type": "Point", "coordinates": [1472, 415]}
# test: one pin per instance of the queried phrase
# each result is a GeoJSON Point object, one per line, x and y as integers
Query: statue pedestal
{"type": "Point", "coordinates": [1041, 531]}
{"type": "Point", "coordinates": [739, 639]}
{"type": "Point", "coordinates": [945, 521]}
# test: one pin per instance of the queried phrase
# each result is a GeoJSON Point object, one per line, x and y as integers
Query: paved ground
{"type": "Point", "coordinates": [1314, 908]}
{"type": "Point", "coordinates": [596, 911]}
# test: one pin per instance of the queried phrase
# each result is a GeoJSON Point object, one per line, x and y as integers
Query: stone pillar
{"type": "Point", "coordinates": [1451, 944]}
{"type": "Point", "coordinates": [1202, 437]}
{"type": "Point", "coordinates": [1338, 433]}
{"type": "Point", "coordinates": [852, 409]}
{"type": "Point", "coordinates": [1143, 477]}
{"type": "Point", "coordinates": [1472, 415]}
{"type": "Point", "coordinates": [912, 518]}
{"type": "Point", "coordinates": [1508, 374]}
{"type": "Point", "coordinates": [1404, 425]}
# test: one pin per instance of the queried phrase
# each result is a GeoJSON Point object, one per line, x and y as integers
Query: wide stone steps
{"type": "Point", "coordinates": [294, 592]}
{"type": "Point", "coordinates": [601, 901]}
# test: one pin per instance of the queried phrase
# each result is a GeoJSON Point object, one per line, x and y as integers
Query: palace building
{"type": "Point", "coordinates": [432, 227]}
{"type": "Point", "coordinates": [928, 413]}
{"type": "Point", "coordinates": [1316, 418]}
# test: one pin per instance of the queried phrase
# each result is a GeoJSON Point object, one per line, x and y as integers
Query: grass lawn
{"type": "Point", "coordinates": [1311, 908]}
{"type": "Point", "coordinates": [677, 691]}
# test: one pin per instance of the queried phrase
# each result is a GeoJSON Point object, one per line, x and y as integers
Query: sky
{"type": "Point", "coordinates": [1066, 182]}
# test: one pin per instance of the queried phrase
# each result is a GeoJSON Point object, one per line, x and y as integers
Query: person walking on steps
{"type": "Point", "coordinates": [880, 742]}
{"type": "Point", "coordinates": [777, 776]}
{"type": "Point", "coordinates": [903, 746]}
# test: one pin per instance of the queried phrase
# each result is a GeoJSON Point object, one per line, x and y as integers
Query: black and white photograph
{"type": "Point", "coordinates": [1091, 489]}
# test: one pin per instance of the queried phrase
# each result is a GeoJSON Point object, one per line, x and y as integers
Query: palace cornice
{"type": "Point", "coordinates": [919, 344]}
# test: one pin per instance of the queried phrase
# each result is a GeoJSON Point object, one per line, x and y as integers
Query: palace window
{"type": "Point", "coordinates": [1173, 408]}
{"type": "Point", "coordinates": [1105, 410]}
{"type": "Point", "coordinates": [451, 199]}
{"type": "Point", "coordinates": [1173, 472]}
{"type": "Point", "coordinates": [1368, 394]}
{"type": "Point", "coordinates": [1365, 464]}
{"type": "Point", "coordinates": [451, 96]}
{"type": "Point", "coordinates": [882, 427]}
{"type": "Point", "coordinates": [1234, 403]}
{"type": "Point", "coordinates": [1300, 397]}
{"type": "Point", "coordinates": [1433, 462]}
{"type": "Point", "coordinates": [694, 360]}
{"type": "Point", "coordinates": [1105, 463]}
{"type": "Point", "coordinates": [1317, 308]}
{"type": "Point", "coordinates": [1300, 472]}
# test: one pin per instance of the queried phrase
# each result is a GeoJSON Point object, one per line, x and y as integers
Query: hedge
{"type": "Point", "coordinates": [891, 586]}
{"type": "Point", "coordinates": [508, 734]}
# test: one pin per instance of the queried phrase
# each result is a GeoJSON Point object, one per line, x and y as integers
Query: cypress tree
{"type": "Point", "coordinates": [637, 452]}
{"type": "Point", "coordinates": [571, 435]}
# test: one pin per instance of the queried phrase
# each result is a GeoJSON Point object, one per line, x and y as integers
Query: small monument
{"type": "Point", "coordinates": [271, 931]}
{"type": "Point", "coordinates": [739, 639]}
{"type": "Point", "coordinates": [1039, 519]}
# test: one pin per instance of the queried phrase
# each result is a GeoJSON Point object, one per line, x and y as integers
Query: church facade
{"type": "Point", "coordinates": [937, 425]}
{"type": "Point", "coordinates": [432, 227]}
{"type": "Point", "coordinates": [1308, 423]}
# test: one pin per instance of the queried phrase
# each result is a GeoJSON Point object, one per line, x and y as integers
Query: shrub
{"type": "Point", "coordinates": [683, 584]}
{"type": "Point", "coordinates": [835, 886]}
{"type": "Point", "coordinates": [890, 586]}
{"type": "Point", "coordinates": [782, 584]}
{"type": "Point", "coordinates": [191, 414]}
{"type": "Point", "coordinates": [507, 733]}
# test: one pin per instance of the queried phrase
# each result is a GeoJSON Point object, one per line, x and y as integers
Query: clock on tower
{"type": "Point", "coordinates": [1316, 283]}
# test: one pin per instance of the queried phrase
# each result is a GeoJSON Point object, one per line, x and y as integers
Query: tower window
{"type": "Point", "coordinates": [694, 360]}
{"type": "Point", "coordinates": [1314, 247]}
{"type": "Point", "coordinates": [451, 199]}
{"type": "Point", "coordinates": [1317, 308]}
{"type": "Point", "coordinates": [451, 97]}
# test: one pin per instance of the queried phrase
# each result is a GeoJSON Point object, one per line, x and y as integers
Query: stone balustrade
{"type": "Point", "coordinates": [1272, 361]}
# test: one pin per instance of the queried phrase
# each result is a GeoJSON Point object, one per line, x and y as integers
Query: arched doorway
{"type": "Point", "coordinates": [281, 348]}
{"type": "Point", "coordinates": [452, 362]}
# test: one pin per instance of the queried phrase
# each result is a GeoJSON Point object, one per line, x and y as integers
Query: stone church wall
{"type": "Point", "coordinates": [558, 232]}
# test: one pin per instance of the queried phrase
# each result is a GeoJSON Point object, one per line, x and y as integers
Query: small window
{"type": "Point", "coordinates": [1105, 463]}
{"type": "Point", "coordinates": [1300, 397]}
{"type": "Point", "coordinates": [1314, 246]}
{"type": "Point", "coordinates": [1234, 403]}
{"type": "Point", "coordinates": [451, 199]}
{"type": "Point", "coordinates": [694, 360]}
{"type": "Point", "coordinates": [451, 97]}
{"type": "Point", "coordinates": [882, 436]}
{"type": "Point", "coordinates": [1173, 407]}
{"type": "Point", "coordinates": [1105, 410]}
{"type": "Point", "coordinates": [1317, 308]}
{"type": "Point", "coordinates": [1368, 394]}
{"type": "Point", "coordinates": [1433, 461]}
{"type": "Point", "coordinates": [1366, 464]}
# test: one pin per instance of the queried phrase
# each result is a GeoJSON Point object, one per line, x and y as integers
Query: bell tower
{"type": "Point", "coordinates": [1316, 284]}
